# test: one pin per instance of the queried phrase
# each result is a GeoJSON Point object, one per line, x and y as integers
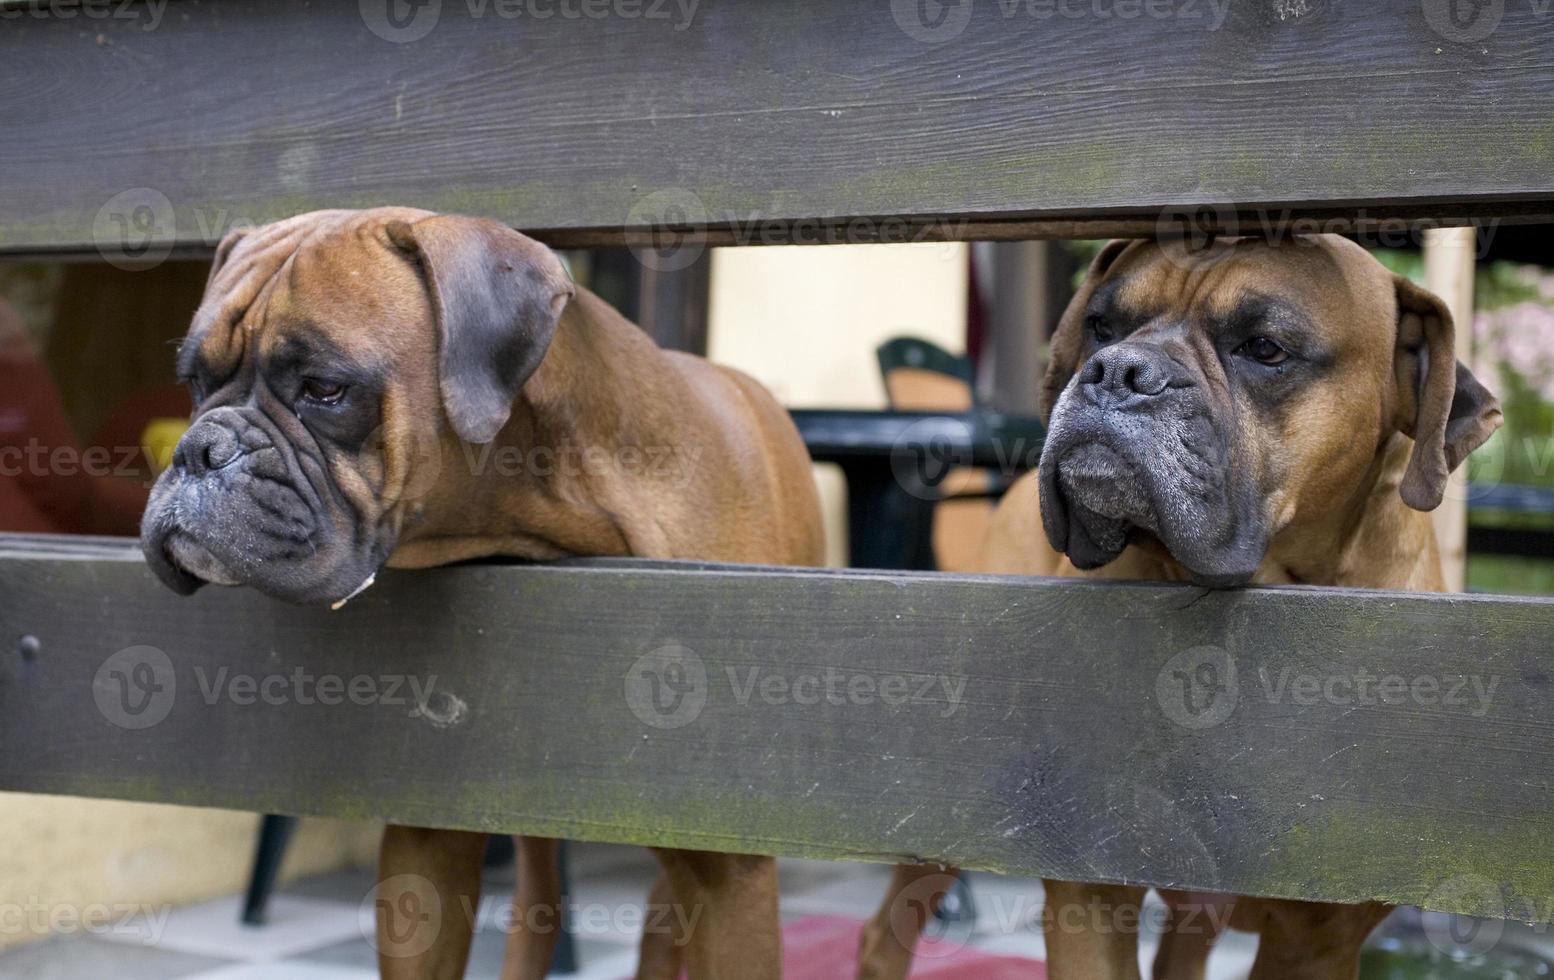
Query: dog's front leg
{"type": "Point", "coordinates": [1193, 924]}
{"type": "Point", "coordinates": [538, 917]}
{"type": "Point", "coordinates": [427, 901]}
{"type": "Point", "coordinates": [886, 944]}
{"type": "Point", "coordinates": [1310, 940]}
{"type": "Point", "coordinates": [727, 905]}
{"type": "Point", "coordinates": [1092, 930]}
{"type": "Point", "coordinates": [660, 955]}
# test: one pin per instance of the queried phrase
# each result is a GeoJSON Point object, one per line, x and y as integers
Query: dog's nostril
{"type": "Point", "coordinates": [221, 452]}
{"type": "Point", "coordinates": [1125, 371]}
{"type": "Point", "coordinates": [1145, 379]}
{"type": "Point", "coordinates": [205, 448]}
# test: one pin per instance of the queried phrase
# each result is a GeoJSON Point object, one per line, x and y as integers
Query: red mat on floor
{"type": "Point", "coordinates": [825, 947]}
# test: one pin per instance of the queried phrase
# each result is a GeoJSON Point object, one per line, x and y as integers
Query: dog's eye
{"type": "Point", "coordinates": [322, 391]}
{"type": "Point", "coordinates": [1264, 351]}
{"type": "Point", "coordinates": [1099, 328]}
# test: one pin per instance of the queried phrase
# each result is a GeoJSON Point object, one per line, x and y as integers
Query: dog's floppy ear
{"type": "Point", "coordinates": [1441, 405]}
{"type": "Point", "coordinates": [1068, 339]}
{"type": "Point", "coordinates": [498, 297]}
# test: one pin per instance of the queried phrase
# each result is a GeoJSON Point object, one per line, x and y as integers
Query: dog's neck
{"type": "Point", "coordinates": [1371, 540]}
{"type": "Point", "coordinates": [551, 484]}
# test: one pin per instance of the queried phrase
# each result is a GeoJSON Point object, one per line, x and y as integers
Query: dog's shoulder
{"type": "Point", "coordinates": [1014, 543]}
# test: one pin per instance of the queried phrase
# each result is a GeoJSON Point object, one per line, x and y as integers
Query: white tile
{"type": "Point", "coordinates": [75, 957]}
{"type": "Point", "coordinates": [606, 910]}
{"type": "Point", "coordinates": [622, 964]}
{"type": "Point", "coordinates": [296, 925]}
{"type": "Point", "coordinates": [586, 860]}
{"type": "Point", "coordinates": [1233, 956]}
{"type": "Point", "coordinates": [802, 875]}
{"type": "Point", "coordinates": [856, 894]}
{"type": "Point", "coordinates": [1028, 944]}
{"type": "Point", "coordinates": [1006, 906]}
{"type": "Point", "coordinates": [610, 909]}
{"type": "Point", "coordinates": [292, 970]}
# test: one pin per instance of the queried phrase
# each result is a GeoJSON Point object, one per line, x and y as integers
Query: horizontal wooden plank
{"type": "Point", "coordinates": [605, 121]}
{"type": "Point", "coordinates": [1288, 742]}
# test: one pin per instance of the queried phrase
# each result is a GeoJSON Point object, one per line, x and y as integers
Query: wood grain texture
{"type": "Point", "coordinates": [751, 121]}
{"type": "Point", "coordinates": [1037, 726]}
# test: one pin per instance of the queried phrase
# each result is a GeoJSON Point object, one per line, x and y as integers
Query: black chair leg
{"type": "Point", "coordinates": [274, 834]}
{"type": "Point", "coordinates": [500, 851]}
{"type": "Point", "coordinates": [564, 960]}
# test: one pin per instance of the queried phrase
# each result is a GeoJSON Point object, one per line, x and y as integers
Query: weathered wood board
{"type": "Point", "coordinates": [162, 125]}
{"type": "Point", "coordinates": [1288, 742]}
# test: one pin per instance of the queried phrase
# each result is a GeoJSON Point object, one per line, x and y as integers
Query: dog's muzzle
{"type": "Point", "coordinates": [1132, 447]}
{"type": "Point", "coordinates": [234, 508]}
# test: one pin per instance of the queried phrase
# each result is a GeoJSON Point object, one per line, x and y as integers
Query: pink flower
{"type": "Point", "coordinates": [1522, 338]}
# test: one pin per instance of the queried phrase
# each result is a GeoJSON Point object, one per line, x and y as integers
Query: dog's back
{"type": "Point", "coordinates": [721, 472]}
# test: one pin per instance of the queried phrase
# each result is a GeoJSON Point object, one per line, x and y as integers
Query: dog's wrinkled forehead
{"type": "Point", "coordinates": [1322, 290]}
{"type": "Point", "coordinates": [329, 276]}
{"type": "Point", "coordinates": [1319, 284]}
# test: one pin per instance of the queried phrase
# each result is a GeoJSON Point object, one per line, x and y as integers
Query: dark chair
{"type": "Point", "coordinates": [921, 376]}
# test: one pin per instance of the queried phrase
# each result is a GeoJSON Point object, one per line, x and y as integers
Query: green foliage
{"type": "Point", "coordinates": [1501, 575]}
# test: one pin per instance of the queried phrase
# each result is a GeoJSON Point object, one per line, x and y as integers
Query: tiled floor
{"type": "Point", "coordinates": [319, 926]}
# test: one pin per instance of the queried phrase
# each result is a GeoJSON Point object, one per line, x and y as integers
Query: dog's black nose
{"type": "Point", "coordinates": [1124, 370]}
{"type": "Point", "coordinates": [205, 447]}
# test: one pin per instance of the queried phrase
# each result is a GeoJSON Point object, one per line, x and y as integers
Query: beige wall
{"type": "Point", "coordinates": [806, 319]}
{"type": "Point", "coordinates": [65, 857]}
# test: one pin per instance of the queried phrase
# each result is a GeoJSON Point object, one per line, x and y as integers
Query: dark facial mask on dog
{"type": "Point", "coordinates": [1208, 399]}
{"type": "Point", "coordinates": [332, 357]}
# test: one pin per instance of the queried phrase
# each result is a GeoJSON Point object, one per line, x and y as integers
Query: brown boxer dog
{"type": "Point", "coordinates": [1245, 412]}
{"type": "Point", "coordinates": [349, 367]}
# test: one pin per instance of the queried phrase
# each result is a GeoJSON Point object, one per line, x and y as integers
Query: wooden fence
{"type": "Point", "coordinates": [1287, 742]}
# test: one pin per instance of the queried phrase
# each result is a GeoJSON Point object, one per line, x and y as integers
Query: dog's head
{"type": "Point", "coordinates": [336, 357]}
{"type": "Point", "coordinates": [1208, 399]}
